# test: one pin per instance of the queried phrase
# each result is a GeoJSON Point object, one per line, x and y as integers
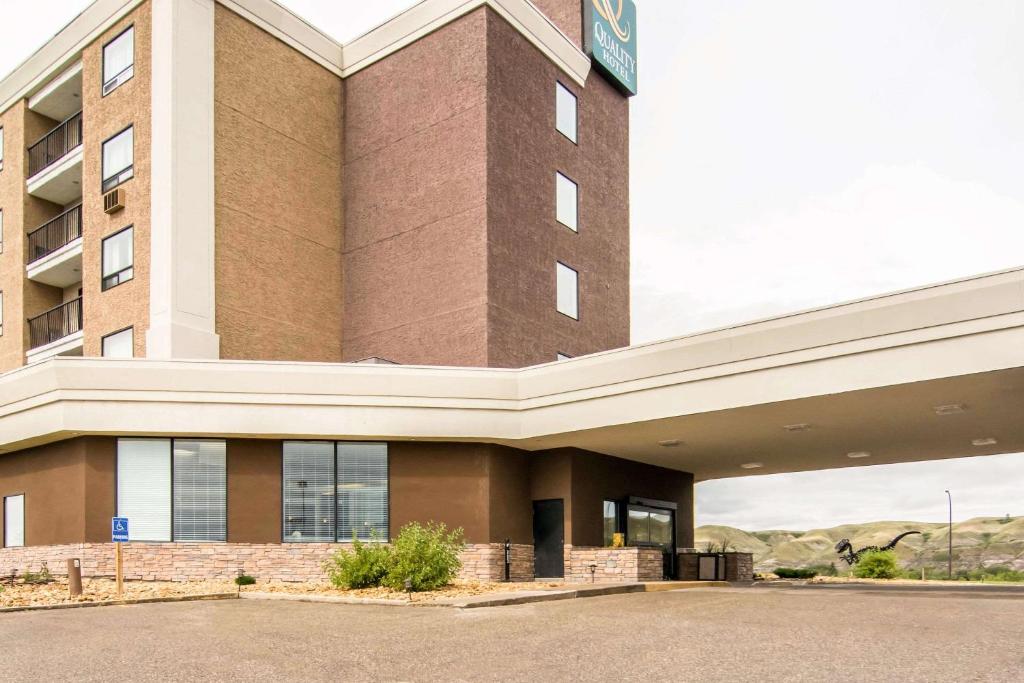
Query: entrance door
{"type": "Point", "coordinates": [548, 538]}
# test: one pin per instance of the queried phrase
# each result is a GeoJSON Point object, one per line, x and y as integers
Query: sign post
{"type": "Point", "coordinates": [119, 535]}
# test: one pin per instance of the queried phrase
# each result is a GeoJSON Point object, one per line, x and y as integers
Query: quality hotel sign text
{"type": "Point", "coordinates": [610, 39]}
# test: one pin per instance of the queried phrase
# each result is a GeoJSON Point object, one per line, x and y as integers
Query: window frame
{"type": "Point", "coordinates": [577, 292]}
{"type": "Point", "coordinates": [576, 208]}
{"type": "Point", "coordinates": [170, 519]}
{"type": "Point", "coordinates": [103, 66]}
{"type": "Point", "coordinates": [104, 286]}
{"type": "Point", "coordinates": [104, 188]}
{"type": "Point", "coordinates": [334, 489]}
{"type": "Point", "coordinates": [103, 341]}
{"type": "Point", "coordinates": [618, 520]}
{"type": "Point", "coordinates": [24, 520]}
{"type": "Point", "coordinates": [560, 87]}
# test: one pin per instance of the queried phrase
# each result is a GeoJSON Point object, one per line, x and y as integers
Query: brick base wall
{"type": "Point", "coordinates": [195, 561]}
{"type": "Point", "coordinates": [613, 565]}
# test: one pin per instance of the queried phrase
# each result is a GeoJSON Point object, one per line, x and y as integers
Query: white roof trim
{"type": "Point", "coordinates": [409, 26]}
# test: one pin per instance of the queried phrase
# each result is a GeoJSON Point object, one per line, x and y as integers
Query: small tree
{"type": "Point", "coordinates": [426, 556]}
{"type": "Point", "coordinates": [877, 565]}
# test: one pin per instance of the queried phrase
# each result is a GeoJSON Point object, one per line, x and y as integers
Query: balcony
{"type": "Point", "coordinates": [55, 250]}
{"type": "Point", "coordinates": [55, 163]}
{"type": "Point", "coordinates": [58, 332]}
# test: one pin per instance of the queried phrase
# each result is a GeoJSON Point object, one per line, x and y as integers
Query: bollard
{"type": "Point", "coordinates": [75, 577]}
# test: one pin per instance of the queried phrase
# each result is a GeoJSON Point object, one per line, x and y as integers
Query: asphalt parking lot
{"type": "Point", "coordinates": [736, 634]}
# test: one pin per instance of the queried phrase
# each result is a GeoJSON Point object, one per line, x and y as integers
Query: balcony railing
{"type": "Point", "coordinates": [51, 236]}
{"type": "Point", "coordinates": [55, 145]}
{"type": "Point", "coordinates": [56, 323]}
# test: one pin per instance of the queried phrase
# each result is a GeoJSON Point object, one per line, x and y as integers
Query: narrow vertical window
{"type": "Point", "coordinates": [119, 60]}
{"type": "Point", "coordinates": [611, 522]}
{"type": "Point", "coordinates": [14, 521]}
{"type": "Point", "coordinates": [567, 283]}
{"type": "Point", "coordinates": [1, 314]}
{"type": "Point", "coordinates": [308, 491]}
{"type": "Point", "coordinates": [362, 491]}
{"type": "Point", "coordinates": [1, 231]}
{"type": "Point", "coordinates": [118, 258]}
{"type": "Point", "coordinates": [144, 487]}
{"type": "Point", "coordinates": [1, 148]}
{"type": "Point", "coordinates": [566, 202]}
{"type": "Point", "coordinates": [119, 344]}
{"type": "Point", "coordinates": [118, 159]}
{"type": "Point", "coordinates": [200, 490]}
{"type": "Point", "coordinates": [566, 112]}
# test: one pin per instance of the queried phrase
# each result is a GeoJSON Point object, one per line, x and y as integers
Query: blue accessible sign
{"type": "Point", "coordinates": [119, 530]}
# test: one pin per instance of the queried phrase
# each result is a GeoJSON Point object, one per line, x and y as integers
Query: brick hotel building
{"type": "Point", "coordinates": [189, 184]}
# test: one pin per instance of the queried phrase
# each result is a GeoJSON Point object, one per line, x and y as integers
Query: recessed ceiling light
{"type": "Point", "coordinates": [752, 465]}
{"type": "Point", "coordinates": [799, 427]}
{"type": "Point", "coordinates": [857, 455]}
{"type": "Point", "coordinates": [984, 442]}
{"type": "Point", "coordinates": [951, 409]}
{"type": "Point", "coordinates": [670, 443]}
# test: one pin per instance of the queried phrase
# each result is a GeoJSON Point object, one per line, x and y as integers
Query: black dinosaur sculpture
{"type": "Point", "coordinates": [852, 557]}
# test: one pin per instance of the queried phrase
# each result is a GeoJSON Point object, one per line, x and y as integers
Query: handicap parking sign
{"type": "Point", "coordinates": [119, 530]}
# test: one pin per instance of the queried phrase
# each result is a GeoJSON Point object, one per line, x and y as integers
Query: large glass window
{"type": "Point", "coordinates": [144, 487]}
{"type": "Point", "coordinates": [333, 492]}
{"type": "Point", "coordinates": [118, 258]}
{"type": "Point", "coordinates": [566, 118]}
{"type": "Point", "coordinates": [173, 489]}
{"type": "Point", "coordinates": [118, 60]}
{"type": "Point", "coordinates": [118, 159]}
{"type": "Point", "coordinates": [200, 491]}
{"type": "Point", "coordinates": [308, 491]}
{"type": "Point", "coordinates": [566, 202]}
{"type": "Point", "coordinates": [567, 284]}
{"type": "Point", "coordinates": [14, 521]}
{"type": "Point", "coordinates": [119, 344]}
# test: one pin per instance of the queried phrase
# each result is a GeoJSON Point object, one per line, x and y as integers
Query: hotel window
{"type": "Point", "coordinates": [14, 521]}
{"type": "Point", "coordinates": [173, 489]}
{"type": "Point", "coordinates": [566, 108]}
{"type": "Point", "coordinates": [1, 148]}
{"type": "Point", "coordinates": [566, 202]}
{"type": "Point", "coordinates": [119, 344]}
{"type": "Point", "coordinates": [118, 60]}
{"type": "Point", "coordinates": [334, 491]}
{"type": "Point", "coordinates": [562, 356]}
{"type": "Point", "coordinates": [1, 314]}
{"type": "Point", "coordinates": [118, 159]}
{"type": "Point", "coordinates": [1, 231]}
{"type": "Point", "coordinates": [118, 258]}
{"type": "Point", "coordinates": [611, 522]}
{"type": "Point", "coordinates": [567, 291]}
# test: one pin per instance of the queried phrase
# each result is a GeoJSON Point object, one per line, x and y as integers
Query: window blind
{"type": "Point", "coordinates": [362, 491]}
{"type": "Point", "coordinates": [308, 491]}
{"type": "Point", "coordinates": [144, 487]}
{"type": "Point", "coordinates": [14, 521]}
{"type": "Point", "coordinates": [118, 153]}
{"type": "Point", "coordinates": [118, 55]}
{"type": "Point", "coordinates": [200, 491]}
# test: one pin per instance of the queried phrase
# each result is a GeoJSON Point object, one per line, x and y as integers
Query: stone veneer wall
{"type": "Point", "coordinates": [193, 561]}
{"type": "Point", "coordinates": [613, 565]}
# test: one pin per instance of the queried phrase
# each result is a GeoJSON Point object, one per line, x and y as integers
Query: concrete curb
{"type": "Point", "coordinates": [300, 597]}
{"type": "Point", "coordinates": [111, 603]}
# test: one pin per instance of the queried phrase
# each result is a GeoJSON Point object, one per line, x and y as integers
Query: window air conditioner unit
{"type": "Point", "coordinates": [113, 201]}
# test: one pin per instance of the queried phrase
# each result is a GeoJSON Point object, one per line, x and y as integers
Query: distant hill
{"type": "Point", "coordinates": [979, 542]}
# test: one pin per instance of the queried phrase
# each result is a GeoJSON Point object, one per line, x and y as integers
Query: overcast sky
{"type": "Point", "coordinates": [790, 154]}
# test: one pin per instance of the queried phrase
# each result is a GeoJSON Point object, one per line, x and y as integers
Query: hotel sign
{"type": "Point", "coordinates": [610, 40]}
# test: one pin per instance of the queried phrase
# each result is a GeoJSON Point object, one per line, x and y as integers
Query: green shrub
{"type": "Point", "coordinates": [877, 565]}
{"type": "Point", "coordinates": [365, 566]}
{"type": "Point", "coordinates": [795, 573]}
{"type": "Point", "coordinates": [428, 556]}
{"type": "Point", "coordinates": [824, 569]}
{"type": "Point", "coordinates": [43, 576]}
{"type": "Point", "coordinates": [244, 580]}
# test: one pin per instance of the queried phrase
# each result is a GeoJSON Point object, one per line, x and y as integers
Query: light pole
{"type": "Point", "coordinates": [950, 496]}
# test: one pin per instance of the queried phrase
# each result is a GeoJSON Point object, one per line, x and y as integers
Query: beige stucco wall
{"type": "Point", "coordinates": [126, 305]}
{"type": "Point", "coordinates": [278, 150]}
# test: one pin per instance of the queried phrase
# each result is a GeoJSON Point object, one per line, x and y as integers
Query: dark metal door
{"type": "Point", "coordinates": [548, 538]}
